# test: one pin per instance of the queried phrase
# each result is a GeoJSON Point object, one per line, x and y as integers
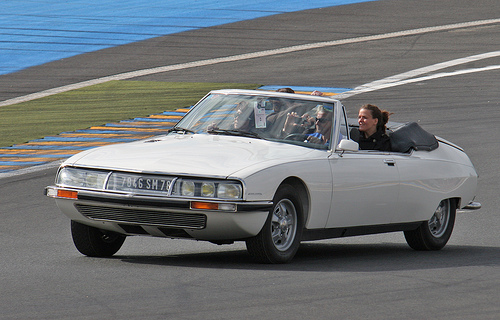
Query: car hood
{"type": "Point", "coordinates": [190, 154]}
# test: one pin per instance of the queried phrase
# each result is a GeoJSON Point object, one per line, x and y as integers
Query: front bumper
{"type": "Point", "coordinates": [162, 217]}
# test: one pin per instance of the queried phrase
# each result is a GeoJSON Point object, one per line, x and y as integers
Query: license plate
{"type": "Point", "coordinates": [135, 182]}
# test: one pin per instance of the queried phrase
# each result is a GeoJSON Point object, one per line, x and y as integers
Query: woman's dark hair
{"type": "Point", "coordinates": [287, 90]}
{"type": "Point", "coordinates": [381, 115]}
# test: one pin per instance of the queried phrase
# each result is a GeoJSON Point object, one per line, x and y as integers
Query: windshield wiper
{"type": "Point", "coordinates": [235, 132]}
{"type": "Point", "coordinates": [179, 129]}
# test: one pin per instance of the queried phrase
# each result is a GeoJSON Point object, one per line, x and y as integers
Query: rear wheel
{"type": "Point", "coordinates": [94, 242]}
{"type": "Point", "coordinates": [435, 233]}
{"type": "Point", "coordinates": [279, 239]}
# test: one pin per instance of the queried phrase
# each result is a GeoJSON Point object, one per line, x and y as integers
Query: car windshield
{"type": "Point", "coordinates": [296, 121]}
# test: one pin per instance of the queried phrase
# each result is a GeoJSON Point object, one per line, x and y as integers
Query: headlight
{"type": "Point", "coordinates": [81, 178]}
{"type": "Point", "coordinates": [188, 188]}
{"type": "Point", "coordinates": [208, 189]}
{"type": "Point", "coordinates": [229, 191]}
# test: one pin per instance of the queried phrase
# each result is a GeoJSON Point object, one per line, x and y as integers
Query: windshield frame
{"type": "Point", "coordinates": [213, 114]}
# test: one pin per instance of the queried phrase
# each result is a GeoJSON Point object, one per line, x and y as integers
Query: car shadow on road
{"type": "Point", "coordinates": [337, 257]}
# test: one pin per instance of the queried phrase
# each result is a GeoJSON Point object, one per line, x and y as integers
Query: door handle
{"type": "Point", "coordinates": [390, 162]}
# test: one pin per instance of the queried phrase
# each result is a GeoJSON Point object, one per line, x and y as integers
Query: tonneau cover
{"type": "Point", "coordinates": [411, 136]}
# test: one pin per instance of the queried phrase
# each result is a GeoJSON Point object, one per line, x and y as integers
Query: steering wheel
{"type": "Point", "coordinates": [296, 137]}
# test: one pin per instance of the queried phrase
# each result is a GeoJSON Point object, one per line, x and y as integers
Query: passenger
{"type": "Point", "coordinates": [372, 126]}
{"type": "Point", "coordinates": [302, 124]}
{"type": "Point", "coordinates": [323, 127]}
{"type": "Point", "coordinates": [279, 107]}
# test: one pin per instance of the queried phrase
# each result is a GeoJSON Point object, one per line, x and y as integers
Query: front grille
{"type": "Point", "coordinates": [144, 217]}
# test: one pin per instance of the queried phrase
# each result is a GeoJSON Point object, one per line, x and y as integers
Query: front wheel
{"type": "Point", "coordinates": [94, 242]}
{"type": "Point", "coordinates": [435, 233]}
{"type": "Point", "coordinates": [279, 239]}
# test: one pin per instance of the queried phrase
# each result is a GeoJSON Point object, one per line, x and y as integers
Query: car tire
{"type": "Point", "coordinates": [434, 233]}
{"type": "Point", "coordinates": [279, 239]}
{"type": "Point", "coordinates": [94, 242]}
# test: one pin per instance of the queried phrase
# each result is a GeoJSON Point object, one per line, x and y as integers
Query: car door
{"type": "Point", "coordinates": [365, 189]}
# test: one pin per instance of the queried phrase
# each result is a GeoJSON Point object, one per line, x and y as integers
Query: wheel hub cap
{"type": "Point", "coordinates": [283, 225]}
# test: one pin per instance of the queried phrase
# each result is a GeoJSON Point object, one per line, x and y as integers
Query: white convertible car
{"type": "Point", "coordinates": [271, 169]}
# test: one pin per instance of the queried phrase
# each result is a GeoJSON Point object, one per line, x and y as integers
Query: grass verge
{"type": "Point", "coordinates": [97, 105]}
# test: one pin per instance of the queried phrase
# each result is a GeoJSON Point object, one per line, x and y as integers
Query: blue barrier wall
{"type": "Point", "coordinates": [33, 32]}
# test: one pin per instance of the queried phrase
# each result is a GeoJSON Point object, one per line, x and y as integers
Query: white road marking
{"type": "Point", "coordinates": [404, 78]}
{"type": "Point", "coordinates": [259, 54]}
{"type": "Point", "coordinates": [33, 169]}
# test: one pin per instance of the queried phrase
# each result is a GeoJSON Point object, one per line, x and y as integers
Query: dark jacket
{"type": "Point", "coordinates": [377, 141]}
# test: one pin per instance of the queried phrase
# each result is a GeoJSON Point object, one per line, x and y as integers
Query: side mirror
{"type": "Point", "coordinates": [348, 145]}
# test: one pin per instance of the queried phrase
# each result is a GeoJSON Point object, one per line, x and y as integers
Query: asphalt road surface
{"type": "Point", "coordinates": [376, 277]}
